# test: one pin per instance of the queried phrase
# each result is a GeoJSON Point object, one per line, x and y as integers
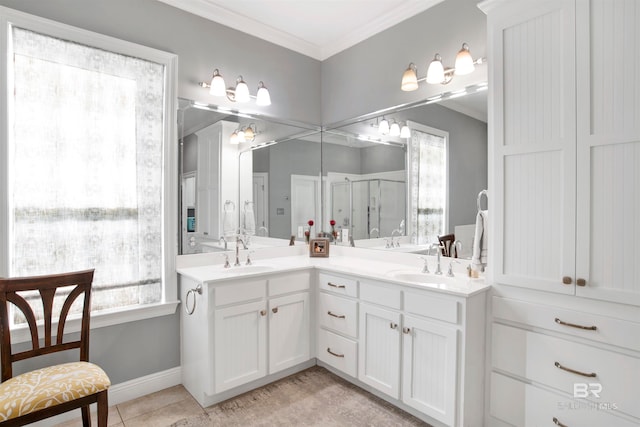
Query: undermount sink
{"type": "Point", "coordinates": [248, 269]}
{"type": "Point", "coordinates": [424, 278]}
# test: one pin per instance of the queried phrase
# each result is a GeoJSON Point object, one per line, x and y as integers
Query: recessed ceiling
{"type": "Point", "coordinates": [316, 28]}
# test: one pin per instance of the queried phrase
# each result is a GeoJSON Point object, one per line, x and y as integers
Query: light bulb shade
{"type": "Point", "coordinates": [263, 98]}
{"type": "Point", "coordinates": [233, 140]}
{"type": "Point", "coordinates": [464, 61]}
{"type": "Point", "coordinates": [218, 87]}
{"type": "Point", "coordinates": [409, 79]}
{"type": "Point", "coordinates": [405, 132]}
{"type": "Point", "coordinates": [435, 73]}
{"type": "Point", "coordinates": [242, 91]}
{"type": "Point", "coordinates": [249, 134]}
{"type": "Point", "coordinates": [394, 130]}
{"type": "Point", "coordinates": [383, 127]}
{"type": "Point", "coordinates": [241, 136]}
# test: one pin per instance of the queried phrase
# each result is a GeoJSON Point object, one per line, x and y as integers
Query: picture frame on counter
{"type": "Point", "coordinates": [319, 248]}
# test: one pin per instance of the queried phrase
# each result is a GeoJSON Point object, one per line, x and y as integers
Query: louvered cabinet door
{"type": "Point", "coordinates": [429, 368]}
{"type": "Point", "coordinates": [608, 150]}
{"type": "Point", "coordinates": [532, 198]}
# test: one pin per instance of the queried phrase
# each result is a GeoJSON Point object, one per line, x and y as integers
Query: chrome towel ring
{"type": "Point", "coordinates": [198, 290]}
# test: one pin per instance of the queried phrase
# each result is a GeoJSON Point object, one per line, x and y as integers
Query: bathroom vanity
{"type": "Point", "coordinates": [412, 338]}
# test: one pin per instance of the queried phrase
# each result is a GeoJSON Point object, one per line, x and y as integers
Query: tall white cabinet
{"type": "Point", "coordinates": [564, 153]}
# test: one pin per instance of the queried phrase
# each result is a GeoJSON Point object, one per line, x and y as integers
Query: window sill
{"type": "Point", "coordinates": [101, 319]}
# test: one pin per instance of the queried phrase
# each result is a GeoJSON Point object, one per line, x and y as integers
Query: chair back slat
{"type": "Point", "coordinates": [46, 287]}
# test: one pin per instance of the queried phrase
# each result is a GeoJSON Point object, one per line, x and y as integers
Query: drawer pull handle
{"type": "Point", "coordinates": [275, 310]}
{"type": "Point", "coordinates": [334, 354]}
{"type": "Point", "coordinates": [558, 423]}
{"type": "Point", "coordinates": [406, 330]}
{"type": "Point", "coordinates": [263, 312]}
{"type": "Point", "coordinates": [333, 285]}
{"type": "Point", "coordinates": [581, 282]}
{"type": "Point", "coordinates": [573, 325]}
{"type": "Point", "coordinates": [339, 316]}
{"type": "Point", "coordinates": [573, 371]}
{"type": "Point", "coordinates": [393, 325]}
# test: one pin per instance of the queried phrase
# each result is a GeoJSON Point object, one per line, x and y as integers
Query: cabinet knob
{"type": "Point", "coordinates": [263, 312]}
{"type": "Point", "coordinates": [581, 282]}
{"type": "Point", "coordinates": [274, 310]}
{"type": "Point", "coordinates": [567, 280]}
{"type": "Point", "coordinates": [393, 325]}
{"type": "Point", "coordinates": [406, 330]}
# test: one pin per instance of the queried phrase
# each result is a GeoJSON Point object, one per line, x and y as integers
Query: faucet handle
{"type": "Point", "coordinates": [226, 260]}
{"type": "Point", "coordinates": [425, 268]}
{"type": "Point", "coordinates": [249, 257]}
{"type": "Point", "coordinates": [450, 270]}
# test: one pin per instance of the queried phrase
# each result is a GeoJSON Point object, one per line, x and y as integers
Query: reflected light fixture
{"type": "Point", "coordinates": [437, 73]}
{"type": "Point", "coordinates": [240, 93]}
{"type": "Point", "coordinates": [243, 134]}
{"type": "Point", "coordinates": [394, 129]}
{"type": "Point", "coordinates": [383, 127]}
{"type": "Point", "coordinates": [405, 132]}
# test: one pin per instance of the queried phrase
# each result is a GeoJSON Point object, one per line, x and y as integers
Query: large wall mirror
{"type": "Point", "coordinates": [365, 187]}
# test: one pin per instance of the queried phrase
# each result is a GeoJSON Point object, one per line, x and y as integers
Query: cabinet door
{"type": "Point", "coordinates": [532, 197]}
{"type": "Point", "coordinates": [240, 344]}
{"type": "Point", "coordinates": [608, 187]}
{"type": "Point", "coordinates": [429, 366]}
{"type": "Point", "coordinates": [379, 355]}
{"type": "Point", "coordinates": [288, 331]}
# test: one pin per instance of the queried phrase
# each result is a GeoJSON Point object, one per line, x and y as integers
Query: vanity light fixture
{"type": "Point", "coordinates": [240, 93]}
{"type": "Point", "coordinates": [243, 134]}
{"type": "Point", "coordinates": [405, 132]}
{"type": "Point", "coordinates": [383, 127]}
{"type": "Point", "coordinates": [394, 129]}
{"type": "Point", "coordinates": [438, 73]}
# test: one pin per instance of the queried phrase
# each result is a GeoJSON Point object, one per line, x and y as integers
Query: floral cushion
{"type": "Point", "coordinates": [42, 388]}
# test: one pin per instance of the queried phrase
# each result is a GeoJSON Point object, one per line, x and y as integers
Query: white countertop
{"type": "Point", "coordinates": [404, 269]}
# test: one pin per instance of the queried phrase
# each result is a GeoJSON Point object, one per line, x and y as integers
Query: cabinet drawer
{"type": "Point", "coordinates": [608, 330]}
{"type": "Point", "coordinates": [602, 376]}
{"type": "Point", "coordinates": [377, 294]}
{"type": "Point", "coordinates": [426, 304]}
{"type": "Point", "coordinates": [339, 314]}
{"type": "Point", "coordinates": [290, 283]}
{"type": "Point", "coordinates": [337, 351]}
{"type": "Point", "coordinates": [240, 291]}
{"type": "Point", "coordinates": [521, 404]}
{"type": "Point", "coordinates": [338, 285]}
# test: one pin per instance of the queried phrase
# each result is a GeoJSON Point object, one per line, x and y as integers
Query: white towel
{"type": "Point", "coordinates": [249, 219]}
{"type": "Point", "coordinates": [229, 221]}
{"type": "Point", "coordinates": [480, 252]}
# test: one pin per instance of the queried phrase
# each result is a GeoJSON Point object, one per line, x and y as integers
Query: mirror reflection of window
{"type": "Point", "coordinates": [428, 177]}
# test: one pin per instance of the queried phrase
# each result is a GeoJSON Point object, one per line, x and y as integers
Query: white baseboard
{"type": "Point", "coordinates": [125, 391]}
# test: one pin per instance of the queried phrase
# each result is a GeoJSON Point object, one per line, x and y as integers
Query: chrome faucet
{"type": "Point", "coordinates": [238, 242]}
{"type": "Point", "coordinates": [223, 240]}
{"type": "Point", "coordinates": [265, 229]}
{"type": "Point", "coordinates": [425, 268]}
{"type": "Point", "coordinates": [399, 232]}
{"type": "Point", "coordinates": [455, 248]}
{"type": "Point", "coordinates": [439, 248]}
{"type": "Point", "coordinates": [377, 231]}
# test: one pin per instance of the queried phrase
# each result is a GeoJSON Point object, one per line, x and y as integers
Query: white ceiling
{"type": "Point", "coordinates": [316, 28]}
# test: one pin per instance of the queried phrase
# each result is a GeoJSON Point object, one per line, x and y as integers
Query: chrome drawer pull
{"type": "Point", "coordinates": [558, 423]}
{"type": "Point", "coordinates": [336, 286]}
{"type": "Point", "coordinates": [334, 354]}
{"type": "Point", "coordinates": [339, 316]}
{"type": "Point", "coordinates": [573, 325]}
{"type": "Point", "coordinates": [584, 374]}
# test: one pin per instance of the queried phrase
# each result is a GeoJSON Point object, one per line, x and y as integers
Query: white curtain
{"type": "Point", "coordinates": [429, 185]}
{"type": "Point", "coordinates": [85, 167]}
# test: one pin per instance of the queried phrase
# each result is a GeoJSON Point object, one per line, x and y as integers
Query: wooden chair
{"type": "Point", "coordinates": [53, 390]}
{"type": "Point", "coordinates": [446, 242]}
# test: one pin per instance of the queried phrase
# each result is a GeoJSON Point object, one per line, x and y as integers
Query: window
{"type": "Point", "coordinates": [428, 182]}
{"type": "Point", "coordinates": [89, 162]}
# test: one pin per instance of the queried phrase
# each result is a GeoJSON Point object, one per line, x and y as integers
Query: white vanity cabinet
{"type": "Point", "coordinates": [243, 330]}
{"type": "Point", "coordinates": [565, 146]}
{"type": "Point", "coordinates": [422, 350]}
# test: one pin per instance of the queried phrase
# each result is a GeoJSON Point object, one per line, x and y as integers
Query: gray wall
{"type": "Point", "coordinates": [366, 77]}
{"type": "Point", "coordinates": [383, 158]}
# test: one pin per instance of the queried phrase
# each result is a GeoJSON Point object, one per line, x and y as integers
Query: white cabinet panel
{"type": "Point", "coordinates": [379, 355]}
{"type": "Point", "coordinates": [430, 368]}
{"type": "Point", "coordinates": [339, 352]}
{"type": "Point", "coordinates": [240, 344]}
{"type": "Point", "coordinates": [288, 331]}
{"type": "Point", "coordinates": [339, 314]}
